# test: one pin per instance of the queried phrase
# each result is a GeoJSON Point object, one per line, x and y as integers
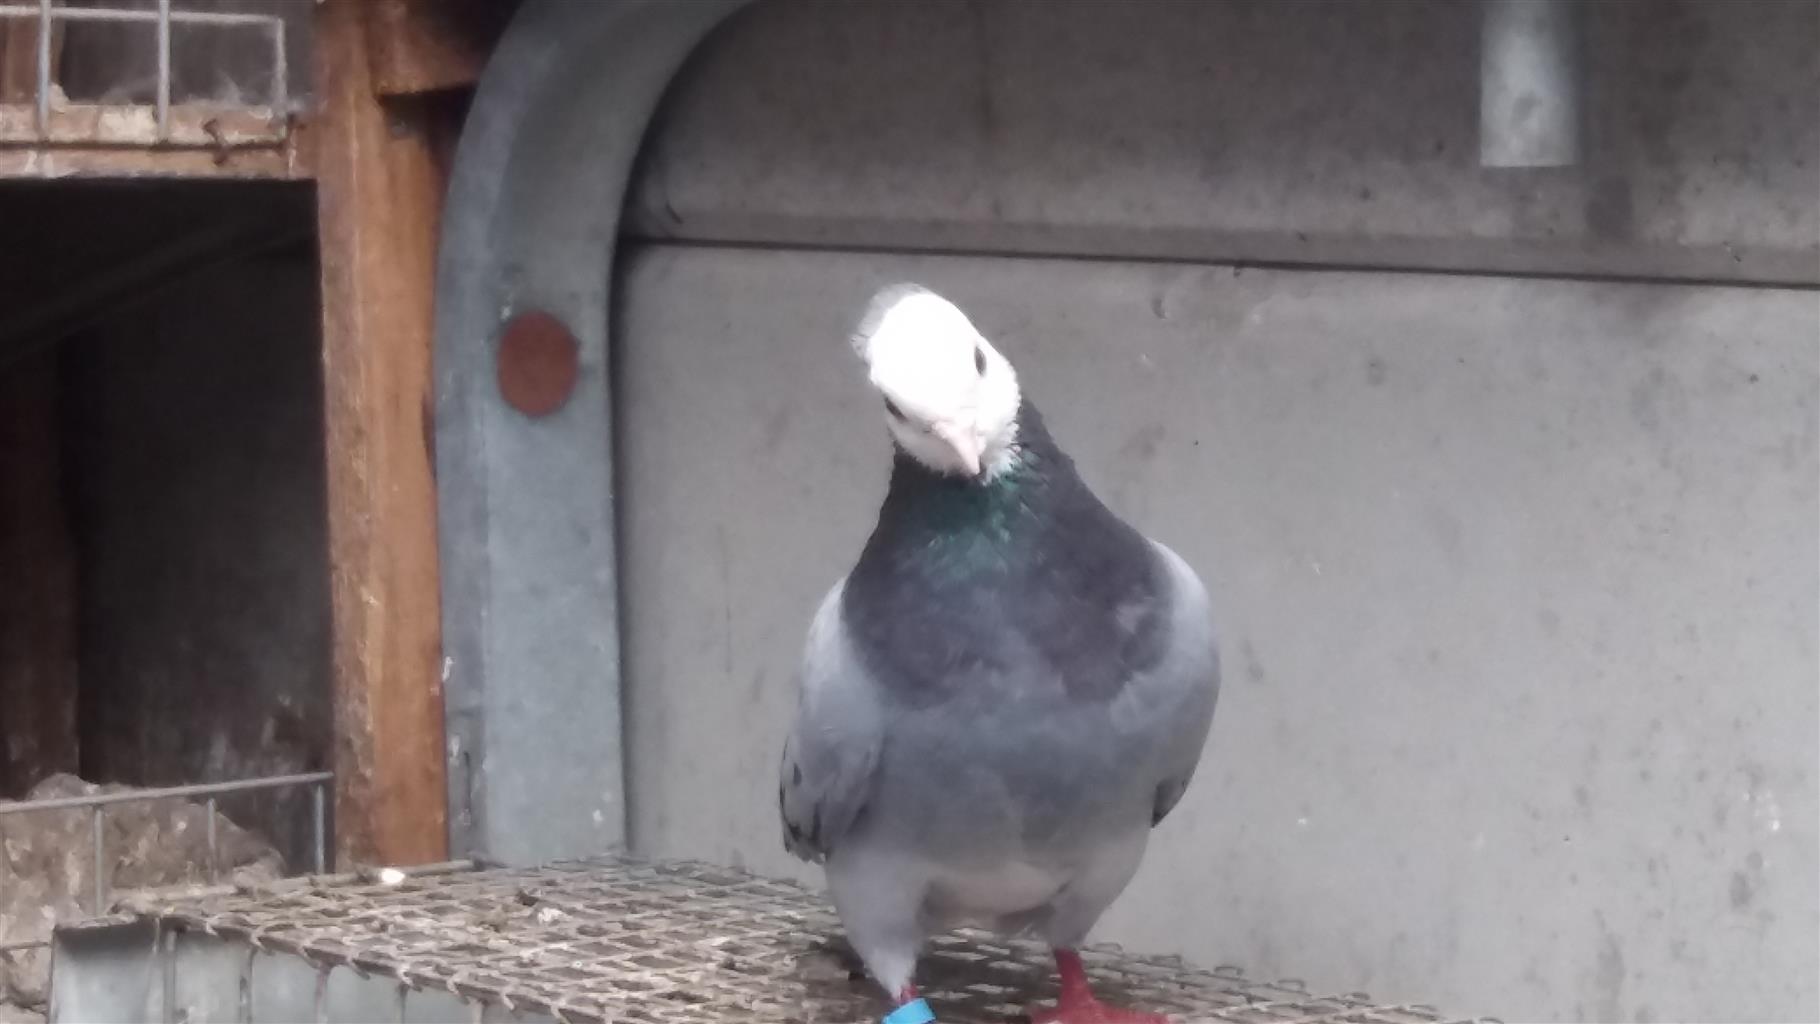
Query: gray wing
{"type": "Point", "coordinates": [1185, 685]}
{"type": "Point", "coordinates": [831, 756]}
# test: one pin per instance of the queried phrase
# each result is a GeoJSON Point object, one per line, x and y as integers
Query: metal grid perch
{"type": "Point", "coordinates": [161, 124]}
{"type": "Point", "coordinates": [605, 941]}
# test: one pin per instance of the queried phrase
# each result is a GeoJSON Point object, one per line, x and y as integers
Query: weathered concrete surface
{"type": "Point", "coordinates": [1517, 582]}
{"type": "Point", "coordinates": [1518, 576]}
{"type": "Point", "coordinates": [1256, 131]}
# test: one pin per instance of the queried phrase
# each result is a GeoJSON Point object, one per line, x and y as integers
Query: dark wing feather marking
{"type": "Point", "coordinates": [1167, 796]}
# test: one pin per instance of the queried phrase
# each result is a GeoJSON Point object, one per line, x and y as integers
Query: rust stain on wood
{"type": "Point", "coordinates": [380, 190]}
{"type": "Point", "coordinates": [537, 363]}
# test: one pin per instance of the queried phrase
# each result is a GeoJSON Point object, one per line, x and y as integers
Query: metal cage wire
{"type": "Point", "coordinates": [267, 125]}
{"type": "Point", "coordinates": [628, 941]}
{"type": "Point", "coordinates": [96, 804]}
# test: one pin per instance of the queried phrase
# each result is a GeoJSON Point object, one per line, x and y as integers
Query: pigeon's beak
{"type": "Point", "coordinates": [965, 445]}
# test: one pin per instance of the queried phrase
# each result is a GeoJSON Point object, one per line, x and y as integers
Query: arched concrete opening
{"type": "Point", "coordinates": [1276, 304]}
{"type": "Point", "coordinates": [525, 487]}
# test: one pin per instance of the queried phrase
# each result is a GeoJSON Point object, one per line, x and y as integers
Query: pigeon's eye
{"type": "Point", "coordinates": [891, 407]}
{"type": "Point", "coordinates": [979, 360]}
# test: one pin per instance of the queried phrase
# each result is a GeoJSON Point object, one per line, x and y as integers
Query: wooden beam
{"type": "Point", "coordinates": [86, 140]}
{"type": "Point", "coordinates": [380, 184]}
{"type": "Point", "coordinates": [422, 46]}
{"type": "Point", "coordinates": [210, 127]}
{"type": "Point", "coordinates": [37, 584]}
{"type": "Point", "coordinates": [46, 163]}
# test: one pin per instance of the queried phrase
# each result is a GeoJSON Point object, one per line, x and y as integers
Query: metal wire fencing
{"type": "Point", "coordinates": [165, 120]}
{"type": "Point", "coordinates": [616, 940]}
{"type": "Point", "coordinates": [97, 804]}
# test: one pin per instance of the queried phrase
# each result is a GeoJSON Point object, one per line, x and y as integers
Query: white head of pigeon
{"type": "Point", "coordinates": [951, 399]}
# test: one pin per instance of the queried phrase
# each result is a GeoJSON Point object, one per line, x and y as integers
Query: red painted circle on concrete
{"type": "Point", "coordinates": [538, 363]}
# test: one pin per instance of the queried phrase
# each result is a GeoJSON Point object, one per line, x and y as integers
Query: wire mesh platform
{"type": "Point", "coordinates": [601, 941]}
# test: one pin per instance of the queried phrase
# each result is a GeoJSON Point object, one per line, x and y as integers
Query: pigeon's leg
{"type": "Point", "coordinates": [879, 902]}
{"type": "Point", "coordinates": [910, 1009]}
{"type": "Point", "coordinates": [1077, 1004]}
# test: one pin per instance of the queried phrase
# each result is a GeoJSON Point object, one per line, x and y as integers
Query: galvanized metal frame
{"type": "Point", "coordinates": [530, 602]}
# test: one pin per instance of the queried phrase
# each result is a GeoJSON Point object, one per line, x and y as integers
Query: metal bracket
{"type": "Point", "coordinates": [530, 602]}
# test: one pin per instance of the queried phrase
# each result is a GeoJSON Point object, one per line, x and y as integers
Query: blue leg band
{"type": "Point", "coordinates": [913, 1012]}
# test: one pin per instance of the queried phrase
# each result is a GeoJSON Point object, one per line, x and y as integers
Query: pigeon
{"type": "Point", "coordinates": [1006, 693]}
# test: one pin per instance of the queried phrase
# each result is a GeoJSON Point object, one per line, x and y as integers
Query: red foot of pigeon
{"type": "Point", "coordinates": [1077, 1004]}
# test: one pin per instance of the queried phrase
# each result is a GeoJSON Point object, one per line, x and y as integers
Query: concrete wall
{"type": "Point", "coordinates": [196, 479]}
{"type": "Point", "coordinates": [1517, 575]}
{"type": "Point", "coordinates": [1318, 132]}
